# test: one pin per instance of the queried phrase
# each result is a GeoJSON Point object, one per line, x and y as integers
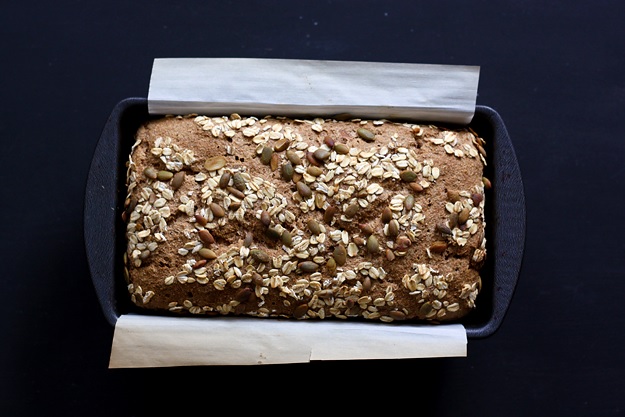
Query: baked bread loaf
{"type": "Point", "coordinates": [303, 219]}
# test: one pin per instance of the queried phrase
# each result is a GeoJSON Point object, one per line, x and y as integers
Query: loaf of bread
{"type": "Point", "coordinates": [305, 219]}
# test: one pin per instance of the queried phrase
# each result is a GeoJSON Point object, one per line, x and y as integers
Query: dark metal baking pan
{"type": "Point", "coordinates": [105, 195]}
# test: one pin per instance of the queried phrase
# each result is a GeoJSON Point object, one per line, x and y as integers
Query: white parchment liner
{"type": "Point", "coordinates": [216, 86]}
{"type": "Point", "coordinates": [221, 86]}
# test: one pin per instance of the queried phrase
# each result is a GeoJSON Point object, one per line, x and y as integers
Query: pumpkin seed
{"type": "Point", "coordinates": [328, 215]}
{"type": "Point", "coordinates": [463, 216]}
{"type": "Point", "coordinates": [443, 229]}
{"type": "Point", "coordinates": [202, 221]}
{"type": "Point", "coordinates": [341, 149]}
{"type": "Point", "coordinates": [300, 311]}
{"type": "Point", "coordinates": [365, 134]}
{"type": "Point", "coordinates": [224, 180]}
{"type": "Point", "coordinates": [273, 234]}
{"type": "Point", "coordinates": [426, 309]}
{"type": "Point", "coordinates": [238, 194]}
{"type": "Point", "coordinates": [249, 238]}
{"type": "Point", "coordinates": [243, 294]}
{"type": "Point", "coordinates": [287, 171]}
{"type": "Point", "coordinates": [265, 218]}
{"type": "Point", "coordinates": [207, 254]}
{"type": "Point", "coordinates": [199, 264]}
{"type": "Point", "coordinates": [438, 247]}
{"type": "Point", "coordinates": [281, 145]}
{"type": "Point", "coordinates": [257, 278]}
{"type": "Point", "coordinates": [321, 154]}
{"type": "Point", "coordinates": [150, 172]}
{"type": "Point", "coordinates": [453, 220]}
{"type": "Point", "coordinates": [351, 210]}
{"type": "Point", "coordinates": [260, 255]}
{"type": "Point", "coordinates": [340, 255]}
{"type": "Point", "coordinates": [366, 229]}
{"type": "Point", "coordinates": [308, 266]}
{"type": "Point", "coordinates": [409, 202]}
{"type": "Point", "coordinates": [331, 265]}
{"type": "Point", "coordinates": [453, 196]}
{"type": "Point", "coordinates": [292, 156]}
{"type": "Point", "coordinates": [393, 228]}
{"type": "Point", "coordinates": [366, 284]}
{"type": "Point", "coordinates": [275, 161]}
{"type": "Point", "coordinates": [177, 180]}
{"type": "Point", "coordinates": [477, 199]}
{"type": "Point", "coordinates": [310, 157]}
{"type": "Point", "coordinates": [206, 237]}
{"type": "Point", "coordinates": [387, 215]}
{"type": "Point", "coordinates": [408, 176]}
{"type": "Point", "coordinates": [303, 189]}
{"type": "Point", "coordinates": [287, 239]}
{"type": "Point", "coordinates": [314, 227]}
{"type": "Point", "coordinates": [217, 210]}
{"type": "Point", "coordinates": [314, 171]}
{"type": "Point", "coordinates": [415, 186]}
{"type": "Point", "coordinates": [239, 182]}
{"type": "Point", "coordinates": [215, 163]}
{"type": "Point", "coordinates": [397, 315]}
{"type": "Point", "coordinates": [164, 175]}
{"type": "Point", "coordinates": [372, 244]}
{"type": "Point", "coordinates": [265, 156]}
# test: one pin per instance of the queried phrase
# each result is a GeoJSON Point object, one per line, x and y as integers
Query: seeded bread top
{"type": "Point", "coordinates": [305, 218]}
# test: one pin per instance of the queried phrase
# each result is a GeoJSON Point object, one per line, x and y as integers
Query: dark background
{"type": "Point", "coordinates": [554, 70]}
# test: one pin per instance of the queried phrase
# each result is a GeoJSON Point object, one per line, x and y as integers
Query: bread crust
{"type": "Point", "coordinates": [305, 219]}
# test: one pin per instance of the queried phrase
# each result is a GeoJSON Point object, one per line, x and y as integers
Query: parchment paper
{"type": "Point", "coordinates": [295, 88]}
{"type": "Point", "coordinates": [146, 341]}
{"type": "Point", "coordinates": [442, 93]}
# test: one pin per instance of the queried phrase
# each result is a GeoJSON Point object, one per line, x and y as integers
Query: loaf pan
{"type": "Point", "coordinates": [104, 230]}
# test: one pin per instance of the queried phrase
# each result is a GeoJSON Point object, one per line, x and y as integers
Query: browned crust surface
{"type": "Point", "coordinates": [423, 264]}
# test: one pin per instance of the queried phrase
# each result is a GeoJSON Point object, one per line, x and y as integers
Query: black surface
{"type": "Point", "coordinates": [553, 71]}
{"type": "Point", "coordinates": [105, 193]}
